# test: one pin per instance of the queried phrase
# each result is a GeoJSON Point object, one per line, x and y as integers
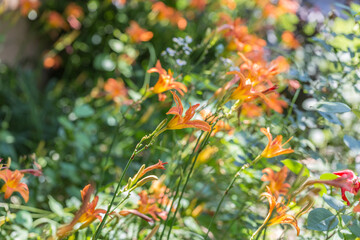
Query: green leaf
{"type": "Point", "coordinates": [353, 224]}
{"type": "Point", "coordinates": [356, 112]}
{"type": "Point", "coordinates": [116, 45]}
{"type": "Point", "coordinates": [352, 143]}
{"type": "Point", "coordinates": [333, 202]}
{"type": "Point", "coordinates": [328, 176]}
{"type": "Point", "coordinates": [332, 107]}
{"type": "Point", "coordinates": [83, 111]}
{"type": "Point", "coordinates": [331, 117]}
{"type": "Point", "coordinates": [24, 218]}
{"type": "Point", "coordinates": [321, 219]}
{"type": "Point", "coordinates": [55, 206]}
{"type": "Point", "coordinates": [322, 188]}
{"type": "Point", "coordinates": [296, 167]}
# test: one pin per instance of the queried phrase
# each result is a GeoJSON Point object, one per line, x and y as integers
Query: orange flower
{"type": "Point", "coordinates": [52, 61]}
{"type": "Point", "coordinates": [180, 122]}
{"type": "Point", "coordinates": [276, 185]}
{"type": "Point", "coordinates": [86, 214]}
{"type": "Point", "coordinates": [246, 91]}
{"type": "Point", "coordinates": [274, 102]}
{"type": "Point", "coordinates": [251, 110]}
{"type": "Point", "coordinates": [138, 34]}
{"type": "Point", "coordinates": [168, 13]}
{"type": "Point", "coordinates": [55, 20]}
{"type": "Point", "coordinates": [165, 82]}
{"type": "Point", "coordinates": [90, 213]}
{"type": "Point", "coordinates": [274, 147]}
{"type": "Point", "coordinates": [117, 91]}
{"type": "Point", "coordinates": [154, 199]}
{"type": "Point", "coordinates": [289, 40]}
{"type": "Point", "coordinates": [198, 4]}
{"type": "Point", "coordinates": [28, 5]}
{"type": "Point", "coordinates": [12, 184]}
{"type": "Point", "coordinates": [281, 216]}
{"type": "Point", "coordinates": [276, 10]}
{"type": "Point", "coordinates": [220, 125]}
{"type": "Point", "coordinates": [74, 10]}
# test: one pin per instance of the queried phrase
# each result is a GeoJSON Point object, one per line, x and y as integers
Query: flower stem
{"type": "Point", "coordinates": [203, 144]}
{"type": "Point", "coordinates": [245, 166]}
{"type": "Point", "coordinates": [138, 149]}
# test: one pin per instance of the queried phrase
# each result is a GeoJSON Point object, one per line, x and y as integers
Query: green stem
{"type": "Point", "coordinates": [178, 185]}
{"type": "Point", "coordinates": [203, 144]}
{"type": "Point", "coordinates": [138, 149]}
{"type": "Point", "coordinates": [245, 166]}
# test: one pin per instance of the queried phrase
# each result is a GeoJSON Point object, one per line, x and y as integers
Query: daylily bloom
{"type": "Point", "coordinates": [27, 5]}
{"type": "Point", "coordinates": [169, 13]}
{"type": "Point", "coordinates": [281, 217]}
{"type": "Point", "coordinates": [220, 125]}
{"type": "Point", "coordinates": [152, 201]}
{"type": "Point", "coordinates": [138, 34]}
{"type": "Point", "coordinates": [274, 102]}
{"type": "Point", "coordinates": [117, 91]}
{"type": "Point", "coordinates": [91, 213]}
{"type": "Point", "coordinates": [12, 184]}
{"type": "Point", "coordinates": [251, 110]}
{"type": "Point", "coordinates": [276, 181]}
{"type": "Point", "coordinates": [86, 214]}
{"type": "Point", "coordinates": [165, 82]}
{"type": "Point", "coordinates": [55, 20]}
{"type": "Point", "coordinates": [274, 147]}
{"type": "Point", "coordinates": [246, 91]}
{"type": "Point", "coordinates": [289, 40]}
{"type": "Point", "coordinates": [180, 122]}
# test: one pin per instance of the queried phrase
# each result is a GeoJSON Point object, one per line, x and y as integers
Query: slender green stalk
{"type": "Point", "coordinates": [138, 149]}
{"type": "Point", "coordinates": [203, 144]}
{"type": "Point", "coordinates": [245, 166]}
{"type": "Point", "coordinates": [178, 185]}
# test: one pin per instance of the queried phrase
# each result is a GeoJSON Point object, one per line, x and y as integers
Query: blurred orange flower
{"type": "Point", "coordinates": [86, 214]}
{"type": "Point", "coordinates": [52, 61]}
{"type": "Point", "coordinates": [275, 10]}
{"type": "Point", "coordinates": [90, 212]}
{"type": "Point", "coordinates": [168, 13]}
{"type": "Point", "coordinates": [276, 181]}
{"type": "Point", "coordinates": [138, 34]}
{"type": "Point", "coordinates": [220, 125]}
{"type": "Point", "coordinates": [274, 147]}
{"type": "Point", "coordinates": [27, 5]}
{"type": "Point", "coordinates": [281, 216]}
{"type": "Point", "coordinates": [180, 122]}
{"type": "Point", "coordinates": [12, 184]}
{"type": "Point", "coordinates": [117, 91]}
{"type": "Point", "coordinates": [74, 10]}
{"type": "Point", "coordinates": [198, 4]}
{"type": "Point", "coordinates": [289, 40]}
{"type": "Point", "coordinates": [55, 20]}
{"type": "Point", "coordinates": [152, 200]}
{"type": "Point", "coordinates": [165, 82]}
{"type": "Point", "coordinates": [251, 110]}
{"type": "Point", "coordinates": [274, 102]}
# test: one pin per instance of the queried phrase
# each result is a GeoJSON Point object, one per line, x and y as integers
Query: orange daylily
{"type": "Point", "coordinates": [198, 4]}
{"type": "Point", "coordinates": [151, 200]}
{"type": "Point", "coordinates": [86, 214]}
{"type": "Point", "coordinates": [251, 110]}
{"type": "Point", "coordinates": [274, 147]}
{"type": "Point", "coordinates": [169, 13]}
{"type": "Point", "coordinates": [138, 34]}
{"type": "Point", "coordinates": [276, 181]}
{"type": "Point", "coordinates": [117, 91]}
{"type": "Point", "coordinates": [274, 102]}
{"type": "Point", "coordinates": [220, 125]}
{"type": "Point", "coordinates": [12, 184]}
{"type": "Point", "coordinates": [165, 82]}
{"type": "Point", "coordinates": [180, 122]}
{"type": "Point", "coordinates": [27, 5]}
{"type": "Point", "coordinates": [246, 91]}
{"type": "Point", "coordinates": [55, 20]}
{"type": "Point", "coordinates": [289, 40]}
{"type": "Point", "coordinates": [281, 216]}
{"type": "Point", "coordinates": [276, 10]}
